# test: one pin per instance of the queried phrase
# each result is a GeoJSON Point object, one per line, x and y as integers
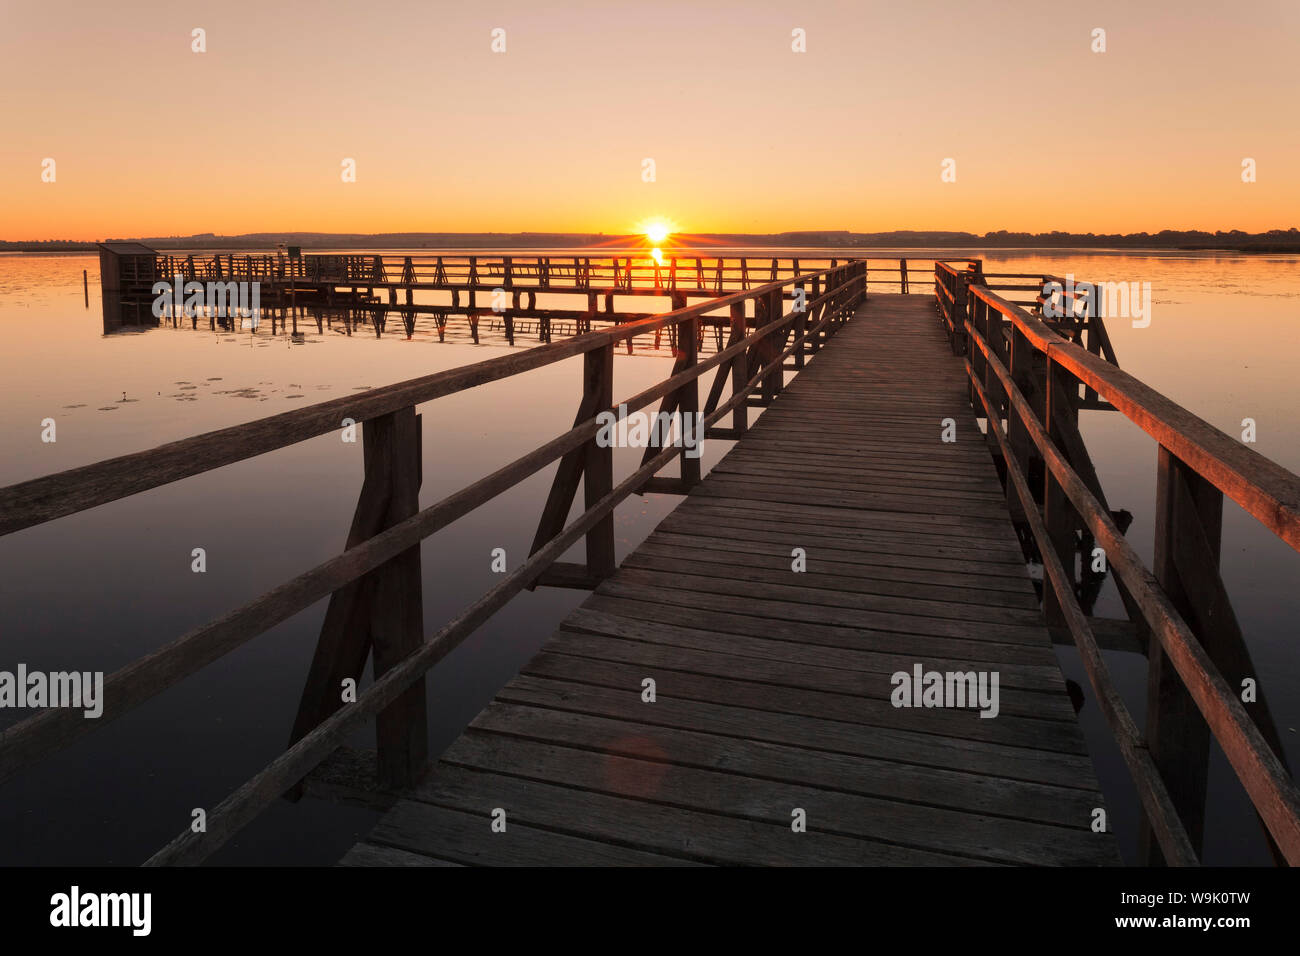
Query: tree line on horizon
{"type": "Point", "coordinates": [1275, 240]}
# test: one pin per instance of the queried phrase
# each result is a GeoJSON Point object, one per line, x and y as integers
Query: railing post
{"type": "Point", "coordinates": [1058, 513]}
{"type": "Point", "coordinates": [1020, 365]}
{"type": "Point", "coordinates": [1176, 733]}
{"type": "Point", "coordinates": [833, 301]}
{"type": "Point", "coordinates": [800, 323]}
{"type": "Point", "coordinates": [598, 463]}
{"type": "Point", "coordinates": [819, 310]}
{"type": "Point", "coordinates": [959, 313]}
{"type": "Point", "coordinates": [591, 464]}
{"type": "Point", "coordinates": [1092, 323]}
{"type": "Point", "coordinates": [756, 354]}
{"type": "Point", "coordinates": [995, 335]}
{"type": "Point", "coordinates": [688, 403]}
{"type": "Point", "coordinates": [382, 611]}
{"type": "Point", "coordinates": [739, 376]}
{"type": "Point", "coordinates": [771, 350]}
{"type": "Point", "coordinates": [979, 367]}
{"type": "Point", "coordinates": [397, 616]}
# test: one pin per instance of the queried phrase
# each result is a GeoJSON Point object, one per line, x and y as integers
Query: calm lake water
{"type": "Point", "coordinates": [97, 590]}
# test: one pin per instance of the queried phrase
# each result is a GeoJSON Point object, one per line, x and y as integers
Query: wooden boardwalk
{"type": "Point", "coordinates": [773, 687]}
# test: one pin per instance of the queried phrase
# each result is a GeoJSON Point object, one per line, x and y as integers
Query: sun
{"type": "Point", "coordinates": [657, 230]}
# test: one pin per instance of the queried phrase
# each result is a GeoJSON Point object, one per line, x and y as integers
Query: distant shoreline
{"type": "Point", "coordinates": [1274, 241]}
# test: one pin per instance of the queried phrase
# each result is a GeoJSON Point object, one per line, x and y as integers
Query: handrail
{"type": "Point", "coordinates": [1152, 792]}
{"type": "Point", "coordinates": [1266, 490]}
{"type": "Point", "coordinates": [997, 331]}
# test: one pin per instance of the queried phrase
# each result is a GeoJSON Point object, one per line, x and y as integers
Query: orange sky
{"type": "Point", "coordinates": [152, 139]}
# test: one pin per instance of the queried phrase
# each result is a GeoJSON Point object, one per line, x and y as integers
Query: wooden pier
{"type": "Point", "coordinates": [773, 686]}
{"type": "Point", "coordinates": [467, 296]}
{"type": "Point", "coordinates": [874, 521]}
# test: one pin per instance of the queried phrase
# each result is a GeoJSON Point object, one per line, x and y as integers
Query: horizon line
{"type": "Point", "coordinates": [673, 238]}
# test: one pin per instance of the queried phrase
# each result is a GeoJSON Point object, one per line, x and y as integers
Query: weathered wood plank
{"type": "Point", "coordinates": [770, 661]}
{"type": "Point", "coordinates": [1011, 728]}
{"type": "Point", "coordinates": [688, 834]}
{"type": "Point", "coordinates": [1045, 676]}
{"type": "Point", "coordinates": [720, 742]}
{"type": "Point", "coordinates": [837, 563]}
{"type": "Point", "coordinates": [813, 579]}
{"type": "Point", "coordinates": [465, 837]}
{"type": "Point", "coordinates": [560, 704]}
{"type": "Point", "coordinates": [827, 635]}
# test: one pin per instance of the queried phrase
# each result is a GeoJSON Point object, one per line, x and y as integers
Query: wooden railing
{"type": "Point", "coordinates": [1026, 379]}
{"type": "Point", "coordinates": [633, 274]}
{"type": "Point", "coordinates": [382, 553]}
{"type": "Point", "coordinates": [1062, 306]}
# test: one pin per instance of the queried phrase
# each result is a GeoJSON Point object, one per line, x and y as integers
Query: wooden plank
{"type": "Point", "coordinates": [903, 549]}
{"type": "Point", "coordinates": [465, 837]}
{"type": "Point", "coordinates": [1038, 705]}
{"type": "Point", "coordinates": [678, 561]}
{"type": "Point", "coordinates": [793, 753]}
{"type": "Point", "coordinates": [983, 837]}
{"type": "Point", "coordinates": [1015, 725]}
{"type": "Point", "coordinates": [656, 613]}
{"type": "Point", "coordinates": [973, 575]}
{"type": "Point", "coordinates": [838, 563]}
{"type": "Point", "coordinates": [754, 719]}
{"type": "Point", "coordinates": [864, 610]}
{"type": "Point", "coordinates": [922, 521]}
{"type": "Point", "coordinates": [647, 826]}
{"type": "Point", "coordinates": [750, 657]}
{"type": "Point", "coordinates": [880, 528]}
{"type": "Point", "coordinates": [1032, 676]}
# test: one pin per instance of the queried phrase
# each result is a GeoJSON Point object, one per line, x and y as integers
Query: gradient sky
{"type": "Point", "coordinates": [151, 139]}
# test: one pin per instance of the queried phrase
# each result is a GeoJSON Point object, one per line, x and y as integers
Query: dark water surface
{"type": "Point", "coordinates": [97, 590]}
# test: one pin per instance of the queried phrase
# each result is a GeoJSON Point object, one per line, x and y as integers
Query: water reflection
{"type": "Point", "coordinates": [306, 324]}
